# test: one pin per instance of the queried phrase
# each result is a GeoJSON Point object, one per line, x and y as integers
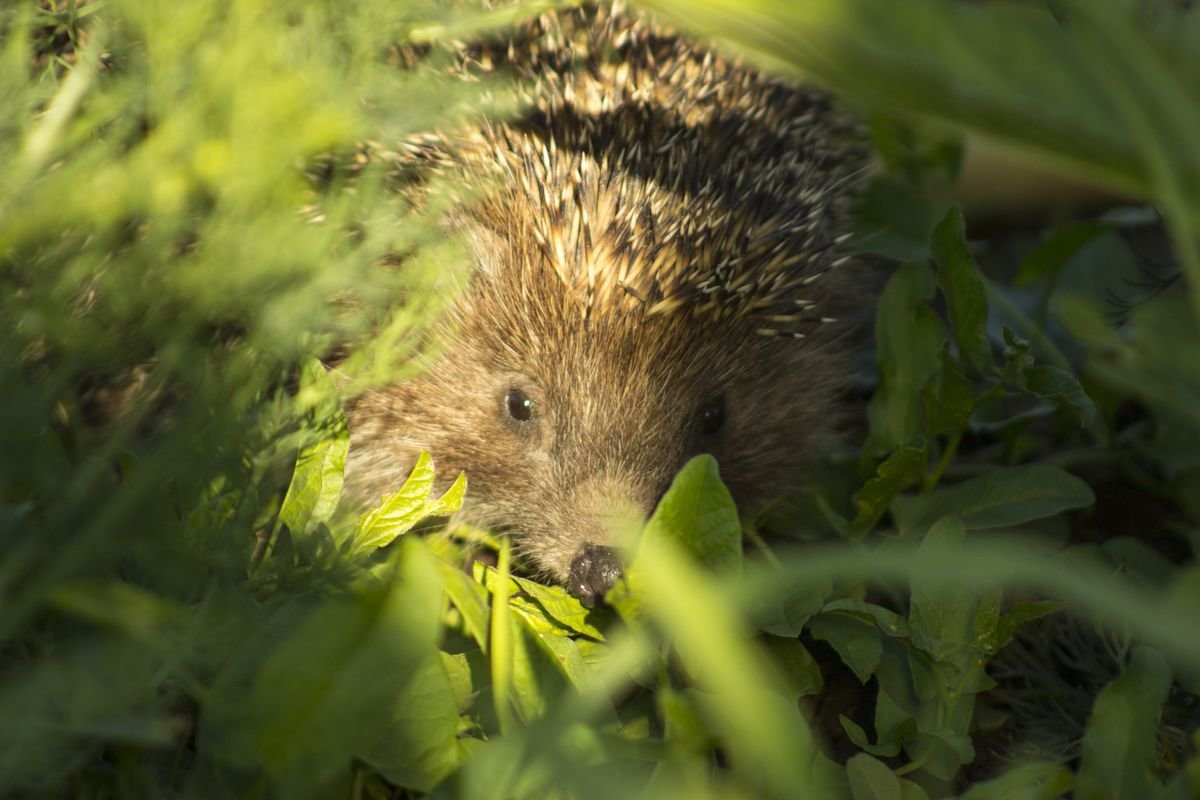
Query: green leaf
{"type": "Point", "coordinates": [993, 630]}
{"type": "Point", "coordinates": [1037, 781]}
{"type": "Point", "coordinates": [323, 687]}
{"type": "Point", "coordinates": [1056, 248]}
{"type": "Point", "coordinates": [561, 606]}
{"type": "Point", "coordinates": [870, 779]}
{"type": "Point", "coordinates": [684, 728]}
{"type": "Point", "coordinates": [1117, 757]}
{"type": "Point", "coordinates": [414, 501]}
{"type": "Point", "coordinates": [894, 219]}
{"type": "Point", "coordinates": [966, 297]}
{"type": "Point", "coordinates": [698, 513]}
{"type": "Point", "coordinates": [470, 598]}
{"type": "Point", "coordinates": [1001, 497]}
{"type": "Point", "coordinates": [421, 746]}
{"type": "Point", "coordinates": [768, 740]}
{"type": "Point", "coordinates": [909, 338]}
{"type": "Point", "coordinates": [561, 651]}
{"type": "Point", "coordinates": [944, 615]}
{"type": "Point", "coordinates": [856, 734]}
{"type": "Point", "coordinates": [115, 604]}
{"type": "Point", "coordinates": [797, 668]}
{"type": "Point", "coordinates": [901, 470]}
{"type": "Point", "coordinates": [948, 402]}
{"type": "Point", "coordinates": [856, 641]}
{"type": "Point", "coordinates": [788, 617]}
{"type": "Point", "coordinates": [1062, 387]}
{"type": "Point", "coordinates": [316, 483]}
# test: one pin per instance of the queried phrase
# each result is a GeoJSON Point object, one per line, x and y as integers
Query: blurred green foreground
{"type": "Point", "coordinates": [998, 597]}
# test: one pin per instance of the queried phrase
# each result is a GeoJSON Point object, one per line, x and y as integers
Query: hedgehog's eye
{"type": "Point", "coordinates": [519, 405]}
{"type": "Point", "coordinates": [712, 416]}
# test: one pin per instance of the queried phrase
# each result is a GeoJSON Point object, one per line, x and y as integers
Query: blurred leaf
{"type": "Point", "coordinates": [768, 740]}
{"type": "Point", "coordinates": [789, 617]}
{"type": "Point", "coordinates": [1045, 260]}
{"type": "Point", "coordinates": [796, 667]}
{"type": "Point", "coordinates": [909, 339]}
{"type": "Point", "coordinates": [118, 605]}
{"type": "Point", "coordinates": [966, 298]}
{"type": "Point", "coordinates": [894, 219]}
{"type": "Point", "coordinates": [944, 615]}
{"type": "Point", "coordinates": [870, 779]}
{"type": "Point", "coordinates": [954, 64]}
{"type": "Point", "coordinates": [1118, 745]}
{"type": "Point", "coordinates": [421, 746]}
{"type": "Point", "coordinates": [323, 687]}
{"type": "Point", "coordinates": [1002, 497]}
{"type": "Point", "coordinates": [1037, 781]}
{"type": "Point", "coordinates": [697, 512]}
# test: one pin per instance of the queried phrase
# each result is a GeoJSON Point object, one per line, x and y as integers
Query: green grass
{"type": "Point", "coordinates": [194, 206]}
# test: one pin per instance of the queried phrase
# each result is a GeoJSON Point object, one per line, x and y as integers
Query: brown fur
{"type": "Point", "coordinates": [656, 242]}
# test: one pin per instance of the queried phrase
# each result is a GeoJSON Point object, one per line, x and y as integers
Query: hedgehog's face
{"type": "Point", "coordinates": [566, 425]}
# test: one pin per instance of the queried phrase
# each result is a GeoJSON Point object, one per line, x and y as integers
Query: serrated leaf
{"type": "Point", "coordinates": [899, 471]}
{"type": "Point", "coordinates": [316, 485]}
{"type": "Point", "coordinates": [414, 501]}
{"type": "Point", "coordinates": [966, 297]}
{"type": "Point", "coordinates": [870, 779]}
{"type": "Point", "coordinates": [909, 338]}
{"type": "Point", "coordinates": [1117, 755]}
{"type": "Point", "coordinates": [1002, 497]}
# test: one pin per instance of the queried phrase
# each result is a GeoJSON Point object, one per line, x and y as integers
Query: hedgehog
{"type": "Point", "coordinates": [658, 244]}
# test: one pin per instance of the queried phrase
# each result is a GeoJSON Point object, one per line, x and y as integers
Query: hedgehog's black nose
{"type": "Point", "coordinates": [593, 572]}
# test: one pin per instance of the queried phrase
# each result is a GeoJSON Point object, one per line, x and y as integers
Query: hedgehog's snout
{"type": "Point", "coordinates": [594, 570]}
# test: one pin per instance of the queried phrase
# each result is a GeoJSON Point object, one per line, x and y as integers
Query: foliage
{"type": "Point", "coordinates": [194, 211]}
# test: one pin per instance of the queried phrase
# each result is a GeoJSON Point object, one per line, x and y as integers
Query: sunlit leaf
{"type": "Point", "coordinates": [413, 502]}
